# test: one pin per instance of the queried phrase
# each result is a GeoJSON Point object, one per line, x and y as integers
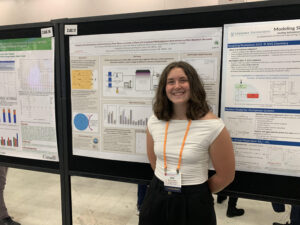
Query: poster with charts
{"type": "Point", "coordinates": [27, 106]}
{"type": "Point", "coordinates": [261, 95]}
{"type": "Point", "coordinates": [113, 82]}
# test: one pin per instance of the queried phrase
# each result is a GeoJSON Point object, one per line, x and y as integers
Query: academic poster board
{"type": "Point", "coordinates": [259, 74]}
{"type": "Point", "coordinates": [28, 132]}
{"type": "Point", "coordinates": [250, 184]}
{"type": "Point", "coordinates": [113, 82]}
{"type": "Point", "coordinates": [261, 95]}
{"type": "Point", "coordinates": [260, 106]}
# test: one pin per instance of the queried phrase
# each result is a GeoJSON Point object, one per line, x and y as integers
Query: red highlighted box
{"type": "Point", "coordinates": [252, 95]}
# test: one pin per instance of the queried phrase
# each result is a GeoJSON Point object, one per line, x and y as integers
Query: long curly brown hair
{"type": "Point", "coordinates": [197, 104]}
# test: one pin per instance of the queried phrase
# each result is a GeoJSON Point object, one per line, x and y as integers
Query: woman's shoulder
{"type": "Point", "coordinates": [209, 116]}
{"type": "Point", "coordinates": [154, 124]}
{"type": "Point", "coordinates": [153, 120]}
{"type": "Point", "coordinates": [210, 122]}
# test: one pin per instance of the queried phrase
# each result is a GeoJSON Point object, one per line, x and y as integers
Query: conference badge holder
{"type": "Point", "coordinates": [172, 182]}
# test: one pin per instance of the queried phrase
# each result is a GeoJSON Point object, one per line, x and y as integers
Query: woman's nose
{"type": "Point", "coordinates": [177, 84]}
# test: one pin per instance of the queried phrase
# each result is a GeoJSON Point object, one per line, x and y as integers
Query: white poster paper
{"type": "Point", "coordinates": [27, 101]}
{"type": "Point", "coordinates": [261, 95]}
{"type": "Point", "coordinates": [113, 82]}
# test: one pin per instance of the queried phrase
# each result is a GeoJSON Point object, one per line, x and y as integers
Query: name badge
{"type": "Point", "coordinates": [172, 182]}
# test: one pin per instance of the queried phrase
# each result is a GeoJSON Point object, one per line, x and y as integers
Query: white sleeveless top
{"type": "Point", "coordinates": [195, 156]}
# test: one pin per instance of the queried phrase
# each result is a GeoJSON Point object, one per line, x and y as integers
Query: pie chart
{"type": "Point", "coordinates": [81, 121]}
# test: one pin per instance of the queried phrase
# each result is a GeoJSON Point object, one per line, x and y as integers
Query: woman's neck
{"type": "Point", "coordinates": [179, 112]}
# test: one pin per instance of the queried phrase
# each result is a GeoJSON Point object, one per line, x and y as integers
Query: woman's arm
{"type": "Point", "coordinates": [222, 157]}
{"type": "Point", "coordinates": [150, 150]}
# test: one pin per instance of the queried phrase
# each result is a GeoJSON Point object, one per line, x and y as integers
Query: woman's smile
{"type": "Point", "coordinates": [178, 86]}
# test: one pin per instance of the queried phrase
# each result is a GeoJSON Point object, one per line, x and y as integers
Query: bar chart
{"type": "Point", "coordinates": [9, 116]}
{"type": "Point", "coordinates": [10, 141]}
{"type": "Point", "coordinates": [110, 112]}
{"type": "Point", "coordinates": [133, 116]}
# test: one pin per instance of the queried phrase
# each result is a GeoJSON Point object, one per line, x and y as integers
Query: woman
{"type": "Point", "coordinates": [181, 137]}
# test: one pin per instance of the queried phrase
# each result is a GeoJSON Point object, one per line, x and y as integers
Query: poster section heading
{"type": "Point", "coordinates": [113, 82]}
{"type": "Point", "coordinates": [27, 101]}
{"type": "Point", "coordinates": [261, 95]}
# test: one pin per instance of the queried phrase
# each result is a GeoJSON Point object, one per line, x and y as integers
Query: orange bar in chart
{"type": "Point", "coordinates": [9, 116]}
{"type": "Point", "coordinates": [15, 116]}
{"type": "Point", "coordinates": [4, 117]}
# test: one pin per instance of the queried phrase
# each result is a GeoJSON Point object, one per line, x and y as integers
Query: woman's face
{"type": "Point", "coordinates": [178, 86]}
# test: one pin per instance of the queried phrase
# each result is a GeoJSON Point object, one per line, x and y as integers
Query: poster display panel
{"type": "Point", "coordinates": [113, 82]}
{"type": "Point", "coordinates": [27, 101]}
{"type": "Point", "coordinates": [261, 95]}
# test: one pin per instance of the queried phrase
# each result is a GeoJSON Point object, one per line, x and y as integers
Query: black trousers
{"type": "Point", "coordinates": [193, 206]}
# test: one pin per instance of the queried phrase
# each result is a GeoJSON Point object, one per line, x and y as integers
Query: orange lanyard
{"type": "Point", "coordinates": [182, 145]}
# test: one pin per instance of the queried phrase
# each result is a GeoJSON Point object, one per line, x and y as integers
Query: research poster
{"type": "Point", "coordinates": [27, 102]}
{"type": "Point", "coordinates": [113, 82]}
{"type": "Point", "coordinates": [261, 95]}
